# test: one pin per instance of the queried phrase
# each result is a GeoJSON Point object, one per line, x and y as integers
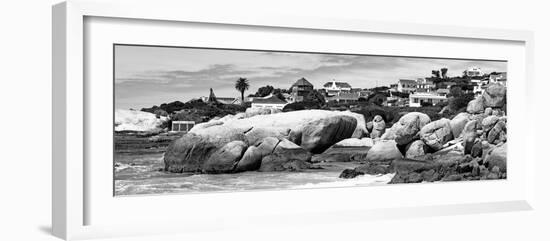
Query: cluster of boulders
{"type": "Point", "coordinates": [274, 142]}
{"type": "Point", "coordinates": [471, 145]}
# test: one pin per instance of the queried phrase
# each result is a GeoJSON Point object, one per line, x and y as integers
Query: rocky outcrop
{"type": "Point", "coordinates": [383, 151]}
{"type": "Point", "coordinates": [470, 135]}
{"type": "Point", "coordinates": [242, 142]}
{"type": "Point", "coordinates": [252, 158]}
{"type": "Point", "coordinates": [286, 156]}
{"type": "Point", "coordinates": [190, 152]}
{"type": "Point", "coordinates": [494, 95]}
{"type": "Point", "coordinates": [327, 127]}
{"type": "Point", "coordinates": [354, 142]}
{"type": "Point", "coordinates": [437, 133]}
{"type": "Point", "coordinates": [416, 148]}
{"type": "Point", "coordinates": [496, 158]}
{"type": "Point", "coordinates": [494, 129]}
{"type": "Point", "coordinates": [347, 150]}
{"type": "Point", "coordinates": [225, 159]}
{"type": "Point", "coordinates": [406, 127]}
{"type": "Point", "coordinates": [255, 135]}
{"type": "Point", "coordinates": [458, 122]}
{"type": "Point", "coordinates": [378, 127]}
{"type": "Point", "coordinates": [368, 168]}
{"type": "Point", "coordinates": [319, 135]}
{"type": "Point", "coordinates": [476, 106]}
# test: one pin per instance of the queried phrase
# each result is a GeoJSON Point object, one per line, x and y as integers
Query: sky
{"type": "Point", "coordinates": [152, 75]}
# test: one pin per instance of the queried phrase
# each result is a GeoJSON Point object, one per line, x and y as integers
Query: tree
{"type": "Point", "coordinates": [242, 85]}
{"type": "Point", "coordinates": [264, 91]}
{"type": "Point", "coordinates": [444, 73]}
{"type": "Point", "coordinates": [436, 74]}
{"type": "Point", "coordinates": [456, 91]}
{"type": "Point", "coordinates": [316, 96]}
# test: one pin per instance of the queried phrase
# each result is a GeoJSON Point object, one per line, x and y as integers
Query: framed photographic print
{"type": "Point", "coordinates": [202, 122]}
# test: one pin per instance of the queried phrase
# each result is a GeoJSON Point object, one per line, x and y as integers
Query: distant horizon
{"type": "Point", "coordinates": [145, 76]}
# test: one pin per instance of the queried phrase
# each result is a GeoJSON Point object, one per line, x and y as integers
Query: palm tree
{"type": "Point", "coordinates": [241, 85]}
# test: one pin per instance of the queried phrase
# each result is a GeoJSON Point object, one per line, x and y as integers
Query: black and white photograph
{"type": "Point", "coordinates": [193, 120]}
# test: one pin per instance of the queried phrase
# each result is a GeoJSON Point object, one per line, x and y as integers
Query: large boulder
{"type": "Point", "coordinates": [415, 149]}
{"type": "Point", "coordinates": [255, 135]}
{"type": "Point", "coordinates": [436, 134]}
{"type": "Point", "coordinates": [317, 129]}
{"type": "Point", "coordinates": [489, 122]}
{"type": "Point", "coordinates": [408, 132]}
{"type": "Point", "coordinates": [225, 159]}
{"type": "Point", "coordinates": [378, 127]}
{"type": "Point", "coordinates": [447, 167]}
{"type": "Point", "coordinates": [354, 142]}
{"type": "Point", "coordinates": [295, 120]}
{"type": "Point", "coordinates": [383, 151]}
{"type": "Point", "coordinates": [351, 149]}
{"type": "Point", "coordinates": [496, 158]}
{"type": "Point", "coordinates": [411, 120]}
{"type": "Point", "coordinates": [494, 95]}
{"type": "Point", "coordinates": [319, 135]}
{"type": "Point", "coordinates": [476, 106]}
{"type": "Point", "coordinates": [252, 157]}
{"type": "Point", "coordinates": [190, 152]}
{"type": "Point", "coordinates": [458, 123]}
{"type": "Point", "coordinates": [286, 156]}
{"type": "Point", "coordinates": [497, 134]}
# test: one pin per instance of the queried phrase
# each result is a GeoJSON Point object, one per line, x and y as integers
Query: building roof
{"type": "Point", "coordinates": [302, 82]}
{"type": "Point", "coordinates": [270, 99]}
{"type": "Point", "coordinates": [426, 96]}
{"type": "Point", "coordinates": [345, 96]}
{"type": "Point", "coordinates": [407, 81]}
{"type": "Point", "coordinates": [501, 74]}
{"type": "Point", "coordinates": [338, 84]}
{"type": "Point", "coordinates": [212, 97]}
{"type": "Point", "coordinates": [228, 100]}
{"type": "Point", "coordinates": [443, 91]}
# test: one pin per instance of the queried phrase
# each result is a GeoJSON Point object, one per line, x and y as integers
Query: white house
{"type": "Point", "coordinates": [334, 87]}
{"type": "Point", "coordinates": [473, 72]}
{"type": "Point", "coordinates": [182, 126]}
{"type": "Point", "coordinates": [423, 85]}
{"type": "Point", "coordinates": [478, 85]}
{"type": "Point", "coordinates": [500, 78]}
{"type": "Point", "coordinates": [406, 85]}
{"type": "Point", "coordinates": [269, 101]}
{"type": "Point", "coordinates": [417, 99]}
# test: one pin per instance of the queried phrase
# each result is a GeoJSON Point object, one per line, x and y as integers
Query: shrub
{"type": "Point", "coordinates": [315, 96]}
{"type": "Point", "coordinates": [458, 102]}
{"type": "Point", "coordinates": [426, 104]}
{"type": "Point", "coordinates": [304, 105]}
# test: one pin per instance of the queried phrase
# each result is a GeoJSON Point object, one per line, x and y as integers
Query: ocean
{"type": "Point", "coordinates": [141, 174]}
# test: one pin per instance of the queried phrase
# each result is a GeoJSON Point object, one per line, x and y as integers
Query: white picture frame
{"type": "Point", "coordinates": [71, 192]}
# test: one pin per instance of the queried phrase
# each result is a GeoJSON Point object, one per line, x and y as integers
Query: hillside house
{"type": "Point", "coordinates": [270, 101]}
{"type": "Point", "coordinates": [229, 100]}
{"type": "Point", "coordinates": [344, 97]}
{"type": "Point", "coordinates": [420, 99]}
{"type": "Point", "coordinates": [423, 85]}
{"type": "Point", "coordinates": [300, 89]}
{"type": "Point", "coordinates": [406, 85]}
{"type": "Point", "coordinates": [334, 87]}
{"type": "Point", "coordinates": [182, 126]}
{"type": "Point", "coordinates": [473, 72]}
{"type": "Point", "coordinates": [500, 78]}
